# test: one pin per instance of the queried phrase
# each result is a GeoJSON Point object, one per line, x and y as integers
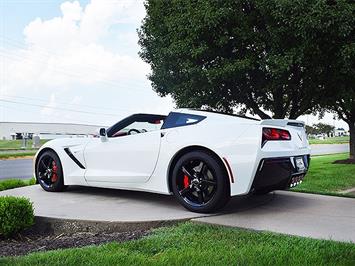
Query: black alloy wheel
{"type": "Point", "coordinates": [200, 182]}
{"type": "Point", "coordinates": [49, 172]}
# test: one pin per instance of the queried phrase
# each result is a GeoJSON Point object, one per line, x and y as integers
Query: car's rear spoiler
{"type": "Point", "coordinates": [282, 122]}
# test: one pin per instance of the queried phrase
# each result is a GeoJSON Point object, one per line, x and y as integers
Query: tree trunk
{"type": "Point", "coordinates": [352, 139]}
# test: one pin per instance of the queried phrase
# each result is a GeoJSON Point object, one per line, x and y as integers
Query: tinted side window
{"type": "Point", "coordinates": [180, 119]}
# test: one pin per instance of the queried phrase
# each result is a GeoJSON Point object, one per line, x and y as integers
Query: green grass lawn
{"type": "Point", "coordinates": [324, 177]}
{"type": "Point", "coordinates": [334, 140]}
{"type": "Point", "coordinates": [14, 183]}
{"type": "Point", "coordinates": [17, 144]}
{"type": "Point", "coordinates": [17, 154]}
{"type": "Point", "coordinates": [194, 244]}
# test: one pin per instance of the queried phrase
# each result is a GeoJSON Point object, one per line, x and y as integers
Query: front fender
{"type": "Point", "coordinates": [73, 174]}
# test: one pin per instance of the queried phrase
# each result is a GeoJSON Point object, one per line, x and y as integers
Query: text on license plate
{"type": "Point", "coordinates": [300, 164]}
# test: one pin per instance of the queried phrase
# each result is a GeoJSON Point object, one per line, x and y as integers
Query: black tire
{"type": "Point", "coordinates": [45, 170]}
{"type": "Point", "coordinates": [202, 188]}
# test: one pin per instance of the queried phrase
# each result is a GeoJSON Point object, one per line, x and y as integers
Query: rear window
{"type": "Point", "coordinates": [181, 119]}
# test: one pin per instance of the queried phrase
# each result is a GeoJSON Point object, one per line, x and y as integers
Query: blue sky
{"type": "Point", "coordinates": [16, 14]}
{"type": "Point", "coordinates": [76, 61]}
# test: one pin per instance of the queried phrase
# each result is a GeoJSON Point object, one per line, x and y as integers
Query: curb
{"type": "Point", "coordinates": [347, 191]}
{"type": "Point", "coordinates": [58, 226]}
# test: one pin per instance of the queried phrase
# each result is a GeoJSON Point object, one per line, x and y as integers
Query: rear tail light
{"type": "Point", "coordinates": [274, 134]}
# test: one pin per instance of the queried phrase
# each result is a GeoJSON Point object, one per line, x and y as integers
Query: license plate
{"type": "Point", "coordinates": [300, 164]}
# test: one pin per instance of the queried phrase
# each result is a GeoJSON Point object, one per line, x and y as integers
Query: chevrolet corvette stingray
{"type": "Point", "coordinates": [201, 157]}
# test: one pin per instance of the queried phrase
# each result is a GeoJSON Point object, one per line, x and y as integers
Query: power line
{"type": "Point", "coordinates": [66, 103]}
{"type": "Point", "coordinates": [55, 115]}
{"type": "Point", "coordinates": [58, 108]}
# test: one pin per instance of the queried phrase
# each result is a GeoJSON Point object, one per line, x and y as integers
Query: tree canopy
{"type": "Point", "coordinates": [324, 128]}
{"type": "Point", "coordinates": [262, 55]}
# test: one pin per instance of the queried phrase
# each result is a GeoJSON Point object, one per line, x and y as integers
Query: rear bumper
{"type": "Point", "coordinates": [279, 173]}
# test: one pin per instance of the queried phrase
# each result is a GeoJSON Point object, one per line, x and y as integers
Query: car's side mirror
{"type": "Point", "coordinates": [103, 134]}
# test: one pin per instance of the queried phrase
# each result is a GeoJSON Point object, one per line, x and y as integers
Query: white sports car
{"type": "Point", "coordinates": [201, 157]}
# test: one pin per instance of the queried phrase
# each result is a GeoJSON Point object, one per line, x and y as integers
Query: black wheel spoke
{"type": "Point", "coordinates": [40, 175]}
{"type": "Point", "coordinates": [187, 172]}
{"type": "Point", "coordinates": [184, 191]}
{"type": "Point", "coordinates": [203, 171]}
{"type": "Point", "coordinates": [44, 165]}
{"type": "Point", "coordinates": [50, 163]}
{"type": "Point", "coordinates": [209, 182]}
{"type": "Point", "coordinates": [200, 196]}
{"type": "Point", "coordinates": [201, 167]}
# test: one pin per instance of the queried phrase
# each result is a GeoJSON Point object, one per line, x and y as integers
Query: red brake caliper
{"type": "Point", "coordinates": [186, 181]}
{"type": "Point", "coordinates": [54, 177]}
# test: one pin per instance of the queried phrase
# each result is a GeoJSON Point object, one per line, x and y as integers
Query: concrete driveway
{"type": "Point", "coordinates": [113, 205]}
{"type": "Point", "coordinates": [308, 215]}
{"type": "Point", "coordinates": [300, 214]}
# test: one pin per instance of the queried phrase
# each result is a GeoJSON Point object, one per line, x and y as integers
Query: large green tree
{"type": "Point", "coordinates": [338, 76]}
{"type": "Point", "coordinates": [345, 109]}
{"type": "Point", "coordinates": [281, 57]}
{"type": "Point", "coordinates": [344, 106]}
{"type": "Point", "coordinates": [322, 128]}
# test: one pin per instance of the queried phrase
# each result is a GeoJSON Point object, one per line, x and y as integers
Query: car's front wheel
{"type": "Point", "coordinates": [49, 172]}
{"type": "Point", "coordinates": [200, 183]}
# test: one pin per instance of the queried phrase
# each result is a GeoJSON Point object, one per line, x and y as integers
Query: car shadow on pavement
{"type": "Point", "coordinates": [236, 204]}
{"type": "Point", "coordinates": [278, 201]}
{"type": "Point", "coordinates": [129, 195]}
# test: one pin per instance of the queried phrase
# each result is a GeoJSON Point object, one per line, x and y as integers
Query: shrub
{"type": "Point", "coordinates": [16, 214]}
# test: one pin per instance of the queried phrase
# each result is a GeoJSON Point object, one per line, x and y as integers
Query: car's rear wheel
{"type": "Point", "coordinates": [49, 172]}
{"type": "Point", "coordinates": [200, 182]}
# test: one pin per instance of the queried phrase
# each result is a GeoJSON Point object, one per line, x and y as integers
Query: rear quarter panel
{"type": "Point", "coordinates": [237, 142]}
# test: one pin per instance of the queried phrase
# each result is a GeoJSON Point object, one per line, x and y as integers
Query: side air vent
{"type": "Point", "coordinates": [67, 150]}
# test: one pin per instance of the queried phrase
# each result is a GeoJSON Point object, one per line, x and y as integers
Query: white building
{"type": "Point", "coordinates": [338, 132]}
{"type": "Point", "coordinates": [15, 130]}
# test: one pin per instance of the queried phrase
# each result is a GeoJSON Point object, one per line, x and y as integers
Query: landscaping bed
{"type": "Point", "coordinates": [32, 241]}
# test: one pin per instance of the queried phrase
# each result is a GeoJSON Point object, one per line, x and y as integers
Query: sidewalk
{"type": "Point", "coordinates": [293, 213]}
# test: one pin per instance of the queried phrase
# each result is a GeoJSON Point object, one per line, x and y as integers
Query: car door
{"type": "Point", "coordinates": [126, 159]}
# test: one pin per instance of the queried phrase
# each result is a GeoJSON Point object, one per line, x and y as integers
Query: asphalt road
{"type": "Point", "coordinates": [22, 168]}
{"type": "Point", "coordinates": [18, 168]}
{"type": "Point", "coordinates": [319, 149]}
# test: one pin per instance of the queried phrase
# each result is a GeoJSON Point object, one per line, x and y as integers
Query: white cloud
{"type": "Point", "coordinates": [83, 25]}
{"type": "Point", "coordinates": [100, 15]}
{"type": "Point", "coordinates": [85, 51]}
{"type": "Point", "coordinates": [71, 11]}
